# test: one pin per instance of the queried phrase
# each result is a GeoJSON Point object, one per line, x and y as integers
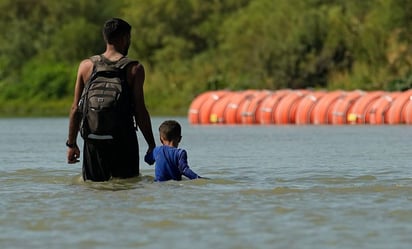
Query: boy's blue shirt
{"type": "Point", "coordinates": [171, 163]}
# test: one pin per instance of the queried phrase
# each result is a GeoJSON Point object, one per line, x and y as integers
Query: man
{"type": "Point", "coordinates": [103, 160]}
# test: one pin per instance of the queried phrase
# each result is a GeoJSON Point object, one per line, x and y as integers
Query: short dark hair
{"type": "Point", "coordinates": [115, 28]}
{"type": "Point", "coordinates": [170, 130]}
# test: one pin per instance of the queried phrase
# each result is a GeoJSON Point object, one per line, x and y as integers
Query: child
{"type": "Point", "coordinates": [171, 162]}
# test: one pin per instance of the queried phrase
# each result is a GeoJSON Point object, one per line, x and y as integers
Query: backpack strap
{"type": "Point", "coordinates": [96, 58]}
{"type": "Point", "coordinates": [124, 61]}
{"type": "Point", "coordinates": [100, 61]}
{"type": "Point", "coordinates": [121, 63]}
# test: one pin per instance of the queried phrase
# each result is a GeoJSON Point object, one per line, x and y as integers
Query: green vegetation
{"type": "Point", "coordinates": [191, 46]}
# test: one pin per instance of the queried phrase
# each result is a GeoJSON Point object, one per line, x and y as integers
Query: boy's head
{"type": "Point", "coordinates": [171, 131]}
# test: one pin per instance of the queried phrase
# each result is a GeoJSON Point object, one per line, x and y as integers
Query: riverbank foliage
{"type": "Point", "coordinates": [190, 46]}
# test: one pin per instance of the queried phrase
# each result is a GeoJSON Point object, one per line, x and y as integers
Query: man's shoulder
{"type": "Point", "coordinates": [85, 68]}
{"type": "Point", "coordinates": [136, 68]}
{"type": "Point", "coordinates": [86, 62]}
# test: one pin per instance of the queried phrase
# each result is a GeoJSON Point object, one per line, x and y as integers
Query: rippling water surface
{"type": "Point", "coordinates": [270, 187]}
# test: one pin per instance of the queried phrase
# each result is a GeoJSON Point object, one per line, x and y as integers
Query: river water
{"type": "Point", "coordinates": [270, 187]}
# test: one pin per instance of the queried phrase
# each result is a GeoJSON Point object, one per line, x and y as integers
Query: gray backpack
{"type": "Point", "coordinates": [105, 103]}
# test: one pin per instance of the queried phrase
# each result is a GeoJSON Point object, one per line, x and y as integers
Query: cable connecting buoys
{"type": "Point", "coordinates": [301, 107]}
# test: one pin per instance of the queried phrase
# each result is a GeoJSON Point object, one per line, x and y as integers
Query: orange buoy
{"type": "Point", "coordinates": [250, 114]}
{"type": "Point", "coordinates": [395, 113]}
{"type": "Point", "coordinates": [322, 112]}
{"type": "Point", "coordinates": [193, 114]}
{"type": "Point", "coordinates": [304, 110]}
{"type": "Point", "coordinates": [217, 111]}
{"type": "Point", "coordinates": [377, 113]}
{"type": "Point", "coordinates": [359, 113]}
{"type": "Point", "coordinates": [286, 111]}
{"type": "Point", "coordinates": [230, 115]}
{"type": "Point", "coordinates": [269, 105]}
{"type": "Point", "coordinates": [343, 105]}
{"type": "Point", "coordinates": [244, 105]}
{"type": "Point", "coordinates": [408, 112]}
{"type": "Point", "coordinates": [204, 111]}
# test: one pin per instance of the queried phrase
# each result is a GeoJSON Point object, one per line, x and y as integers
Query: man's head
{"type": "Point", "coordinates": [170, 130]}
{"type": "Point", "coordinates": [117, 32]}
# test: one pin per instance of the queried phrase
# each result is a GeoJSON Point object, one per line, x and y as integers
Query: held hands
{"type": "Point", "coordinates": [148, 158]}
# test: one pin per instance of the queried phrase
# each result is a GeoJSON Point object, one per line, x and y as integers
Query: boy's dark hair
{"type": "Point", "coordinates": [115, 28]}
{"type": "Point", "coordinates": [170, 130]}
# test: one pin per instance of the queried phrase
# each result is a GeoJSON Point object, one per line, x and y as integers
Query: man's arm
{"type": "Point", "coordinates": [83, 73]}
{"type": "Point", "coordinates": [142, 117]}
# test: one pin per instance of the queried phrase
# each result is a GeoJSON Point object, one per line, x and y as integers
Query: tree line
{"type": "Point", "coordinates": [191, 46]}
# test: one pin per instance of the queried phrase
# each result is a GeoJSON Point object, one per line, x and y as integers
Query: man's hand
{"type": "Point", "coordinates": [73, 155]}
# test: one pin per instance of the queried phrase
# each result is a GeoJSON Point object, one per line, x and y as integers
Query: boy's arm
{"type": "Point", "coordinates": [184, 166]}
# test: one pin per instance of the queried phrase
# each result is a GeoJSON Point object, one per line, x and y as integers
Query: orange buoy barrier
{"type": "Point", "coordinates": [301, 107]}
{"type": "Point", "coordinates": [304, 112]}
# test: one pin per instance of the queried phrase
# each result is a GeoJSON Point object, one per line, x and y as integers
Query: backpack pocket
{"type": "Point", "coordinates": [102, 113]}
